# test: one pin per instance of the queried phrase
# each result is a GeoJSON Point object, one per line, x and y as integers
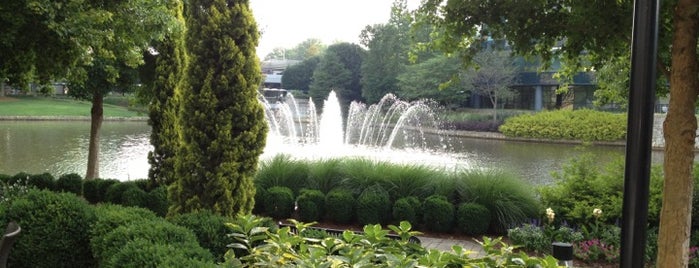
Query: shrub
{"type": "Point", "coordinates": [439, 213]}
{"type": "Point", "coordinates": [4, 178]}
{"type": "Point", "coordinates": [42, 181]}
{"type": "Point", "coordinates": [311, 205]}
{"type": "Point", "coordinates": [21, 177]}
{"type": "Point", "coordinates": [407, 209]}
{"type": "Point", "coordinates": [324, 174]}
{"type": "Point", "coordinates": [279, 202]}
{"type": "Point", "coordinates": [584, 124]}
{"type": "Point", "coordinates": [144, 253]}
{"type": "Point", "coordinates": [157, 201]}
{"type": "Point", "coordinates": [282, 170]}
{"type": "Point", "coordinates": [472, 218]}
{"type": "Point", "coordinates": [134, 197]}
{"type": "Point", "coordinates": [339, 206]}
{"type": "Point", "coordinates": [209, 228]}
{"type": "Point", "coordinates": [71, 183]}
{"type": "Point", "coordinates": [260, 197]}
{"type": "Point", "coordinates": [373, 206]}
{"type": "Point", "coordinates": [54, 230]}
{"type": "Point", "coordinates": [94, 190]}
{"type": "Point", "coordinates": [115, 192]}
{"type": "Point", "coordinates": [155, 231]}
{"type": "Point", "coordinates": [110, 217]}
{"type": "Point", "coordinates": [510, 201]}
{"type": "Point", "coordinates": [539, 238]}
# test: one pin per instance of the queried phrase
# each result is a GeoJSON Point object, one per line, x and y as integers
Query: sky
{"type": "Point", "coordinates": [287, 23]}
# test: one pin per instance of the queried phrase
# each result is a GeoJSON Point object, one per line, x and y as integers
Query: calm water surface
{"type": "Point", "coordinates": [60, 147]}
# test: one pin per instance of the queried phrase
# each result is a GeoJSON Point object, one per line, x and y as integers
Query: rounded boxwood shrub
{"type": "Point", "coordinates": [311, 205]}
{"type": "Point", "coordinates": [54, 230]}
{"type": "Point", "coordinates": [157, 201]}
{"type": "Point", "coordinates": [279, 202]}
{"type": "Point", "coordinates": [70, 183]}
{"type": "Point", "coordinates": [339, 206]}
{"type": "Point", "coordinates": [438, 213]}
{"type": "Point", "coordinates": [472, 218]}
{"type": "Point", "coordinates": [115, 192]}
{"type": "Point", "coordinates": [210, 230]}
{"type": "Point", "coordinates": [111, 216]}
{"type": "Point", "coordinates": [373, 206]}
{"type": "Point", "coordinates": [134, 197]}
{"type": "Point", "coordinates": [144, 253]}
{"type": "Point", "coordinates": [155, 231]}
{"type": "Point", "coordinates": [42, 181]}
{"type": "Point", "coordinates": [260, 195]}
{"type": "Point", "coordinates": [407, 209]}
{"type": "Point", "coordinates": [94, 190]}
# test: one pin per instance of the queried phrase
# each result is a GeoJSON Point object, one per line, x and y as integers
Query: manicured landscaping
{"type": "Point", "coordinates": [35, 106]}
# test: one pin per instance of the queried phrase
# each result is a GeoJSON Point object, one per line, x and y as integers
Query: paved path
{"type": "Point", "coordinates": [445, 244]}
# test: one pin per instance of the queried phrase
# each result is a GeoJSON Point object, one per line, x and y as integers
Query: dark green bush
{"type": "Point", "coordinates": [260, 196]}
{"type": "Point", "coordinates": [4, 178]}
{"type": "Point", "coordinates": [21, 178]}
{"type": "Point", "coordinates": [115, 192]}
{"type": "Point", "coordinates": [407, 209]}
{"type": "Point", "coordinates": [472, 218]}
{"type": "Point", "coordinates": [210, 230]}
{"type": "Point", "coordinates": [373, 206]}
{"type": "Point", "coordinates": [134, 197]}
{"type": "Point", "coordinates": [94, 190]}
{"type": "Point", "coordinates": [111, 216]}
{"type": "Point", "coordinates": [584, 124]}
{"type": "Point", "coordinates": [279, 202]}
{"type": "Point", "coordinates": [311, 205]}
{"type": "Point", "coordinates": [70, 183]}
{"type": "Point", "coordinates": [339, 206]}
{"type": "Point", "coordinates": [157, 201]}
{"type": "Point", "coordinates": [438, 214]}
{"type": "Point", "coordinates": [156, 231]}
{"type": "Point", "coordinates": [54, 230]}
{"type": "Point", "coordinates": [144, 253]}
{"type": "Point", "coordinates": [42, 181]}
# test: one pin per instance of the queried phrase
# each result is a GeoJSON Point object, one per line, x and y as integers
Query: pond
{"type": "Point", "coordinates": [60, 147]}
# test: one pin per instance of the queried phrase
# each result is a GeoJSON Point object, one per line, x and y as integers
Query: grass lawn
{"type": "Point", "coordinates": [49, 106]}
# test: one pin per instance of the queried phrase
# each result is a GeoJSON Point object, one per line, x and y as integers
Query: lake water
{"type": "Point", "coordinates": [60, 147]}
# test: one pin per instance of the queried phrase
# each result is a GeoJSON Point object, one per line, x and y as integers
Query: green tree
{"type": "Point", "coordinates": [298, 76]}
{"type": "Point", "coordinates": [387, 56]}
{"type": "Point", "coordinates": [339, 70]}
{"type": "Point", "coordinates": [305, 50]}
{"type": "Point", "coordinates": [433, 79]}
{"type": "Point", "coordinates": [223, 125]}
{"type": "Point", "coordinates": [599, 31]}
{"type": "Point", "coordinates": [491, 77]}
{"type": "Point", "coordinates": [165, 94]}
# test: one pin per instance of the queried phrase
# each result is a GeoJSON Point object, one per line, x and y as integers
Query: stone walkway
{"type": "Point", "coordinates": [445, 244]}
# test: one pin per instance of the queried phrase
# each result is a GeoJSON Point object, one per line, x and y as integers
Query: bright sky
{"type": "Point", "coordinates": [286, 23]}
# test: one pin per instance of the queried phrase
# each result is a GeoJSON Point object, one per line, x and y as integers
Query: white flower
{"type": "Point", "coordinates": [597, 212]}
{"type": "Point", "coordinates": [550, 215]}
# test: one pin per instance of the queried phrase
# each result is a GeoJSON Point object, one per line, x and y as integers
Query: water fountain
{"type": "Point", "coordinates": [391, 130]}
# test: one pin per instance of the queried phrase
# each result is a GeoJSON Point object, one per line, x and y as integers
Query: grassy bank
{"type": "Point", "coordinates": [58, 107]}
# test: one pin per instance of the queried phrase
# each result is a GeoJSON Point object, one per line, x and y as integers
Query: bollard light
{"type": "Point", "coordinates": [563, 252]}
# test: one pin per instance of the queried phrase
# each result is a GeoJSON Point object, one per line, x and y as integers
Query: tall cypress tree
{"type": "Point", "coordinates": [168, 81]}
{"type": "Point", "coordinates": [223, 125]}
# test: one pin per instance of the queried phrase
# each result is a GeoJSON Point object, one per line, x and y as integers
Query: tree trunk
{"type": "Point", "coordinates": [679, 128]}
{"type": "Point", "coordinates": [96, 114]}
{"type": "Point", "coordinates": [495, 110]}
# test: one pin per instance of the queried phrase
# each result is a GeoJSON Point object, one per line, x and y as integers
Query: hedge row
{"type": "Point", "coordinates": [584, 124]}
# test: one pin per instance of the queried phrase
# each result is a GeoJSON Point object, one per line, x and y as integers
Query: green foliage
{"type": "Point", "coordinates": [282, 170]}
{"type": "Point", "coordinates": [510, 201]}
{"type": "Point", "coordinates": [95, 190]}
{"type": "Point", "coordinates": [43, 181]}
{"type": "Point", "coordinates": [115, 192]}
{"type": "Point", "coordinates": [21, 177]}
{"type": "Point", "coordinates": [373, 206]}
{"type": "Point", "coordinates": [144, 253]}
{"type": "Point", "coordinates": [279, 202]}
{"type": "Point", "coordinates": [585, 125]}
{"type": "Point", "coordinates": [325, 174]}
{"type": "Point", "coordinates": [298, 76]}
{"type": "Point", "coordinates": [223, 126]}
{"type": "Point", "coordinates": [110, 217]}
{"type": "Point", "coordinates": [135, 197]}
{"type": "Point", "coordinates": [311, 205]}
{"type": "Point", "coordinates": [339, 206]}
{"type": "Point", "coordinates": [582, 186]}
{"type": "Point", "coordinates": [156, 231]}
{"type": "Point", "coordinates": [210, 230]}
{"type": "Point", "coordinates": [407, 209]}
{"type": "Point", "coordinates": [157, 201]}
{"type": "Point", "coordinates": [472, 218]}
{"type": "Point", "coordinates": [248, 231]}
{"type": "Point", "coordinates": [438, 214]}
{"type": "Point", "coordinates": [436, 74]}
{"type": "Point", "coordinates": [538, 239]}
{"type": "Point", "coordinates": [11, 191]}
{"type": "Point", "coordinates": [340, 70]}
{"type": "Point", "coordinates": [71, 183]}
{"type": "Point", "coordinates": [54, 225]}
